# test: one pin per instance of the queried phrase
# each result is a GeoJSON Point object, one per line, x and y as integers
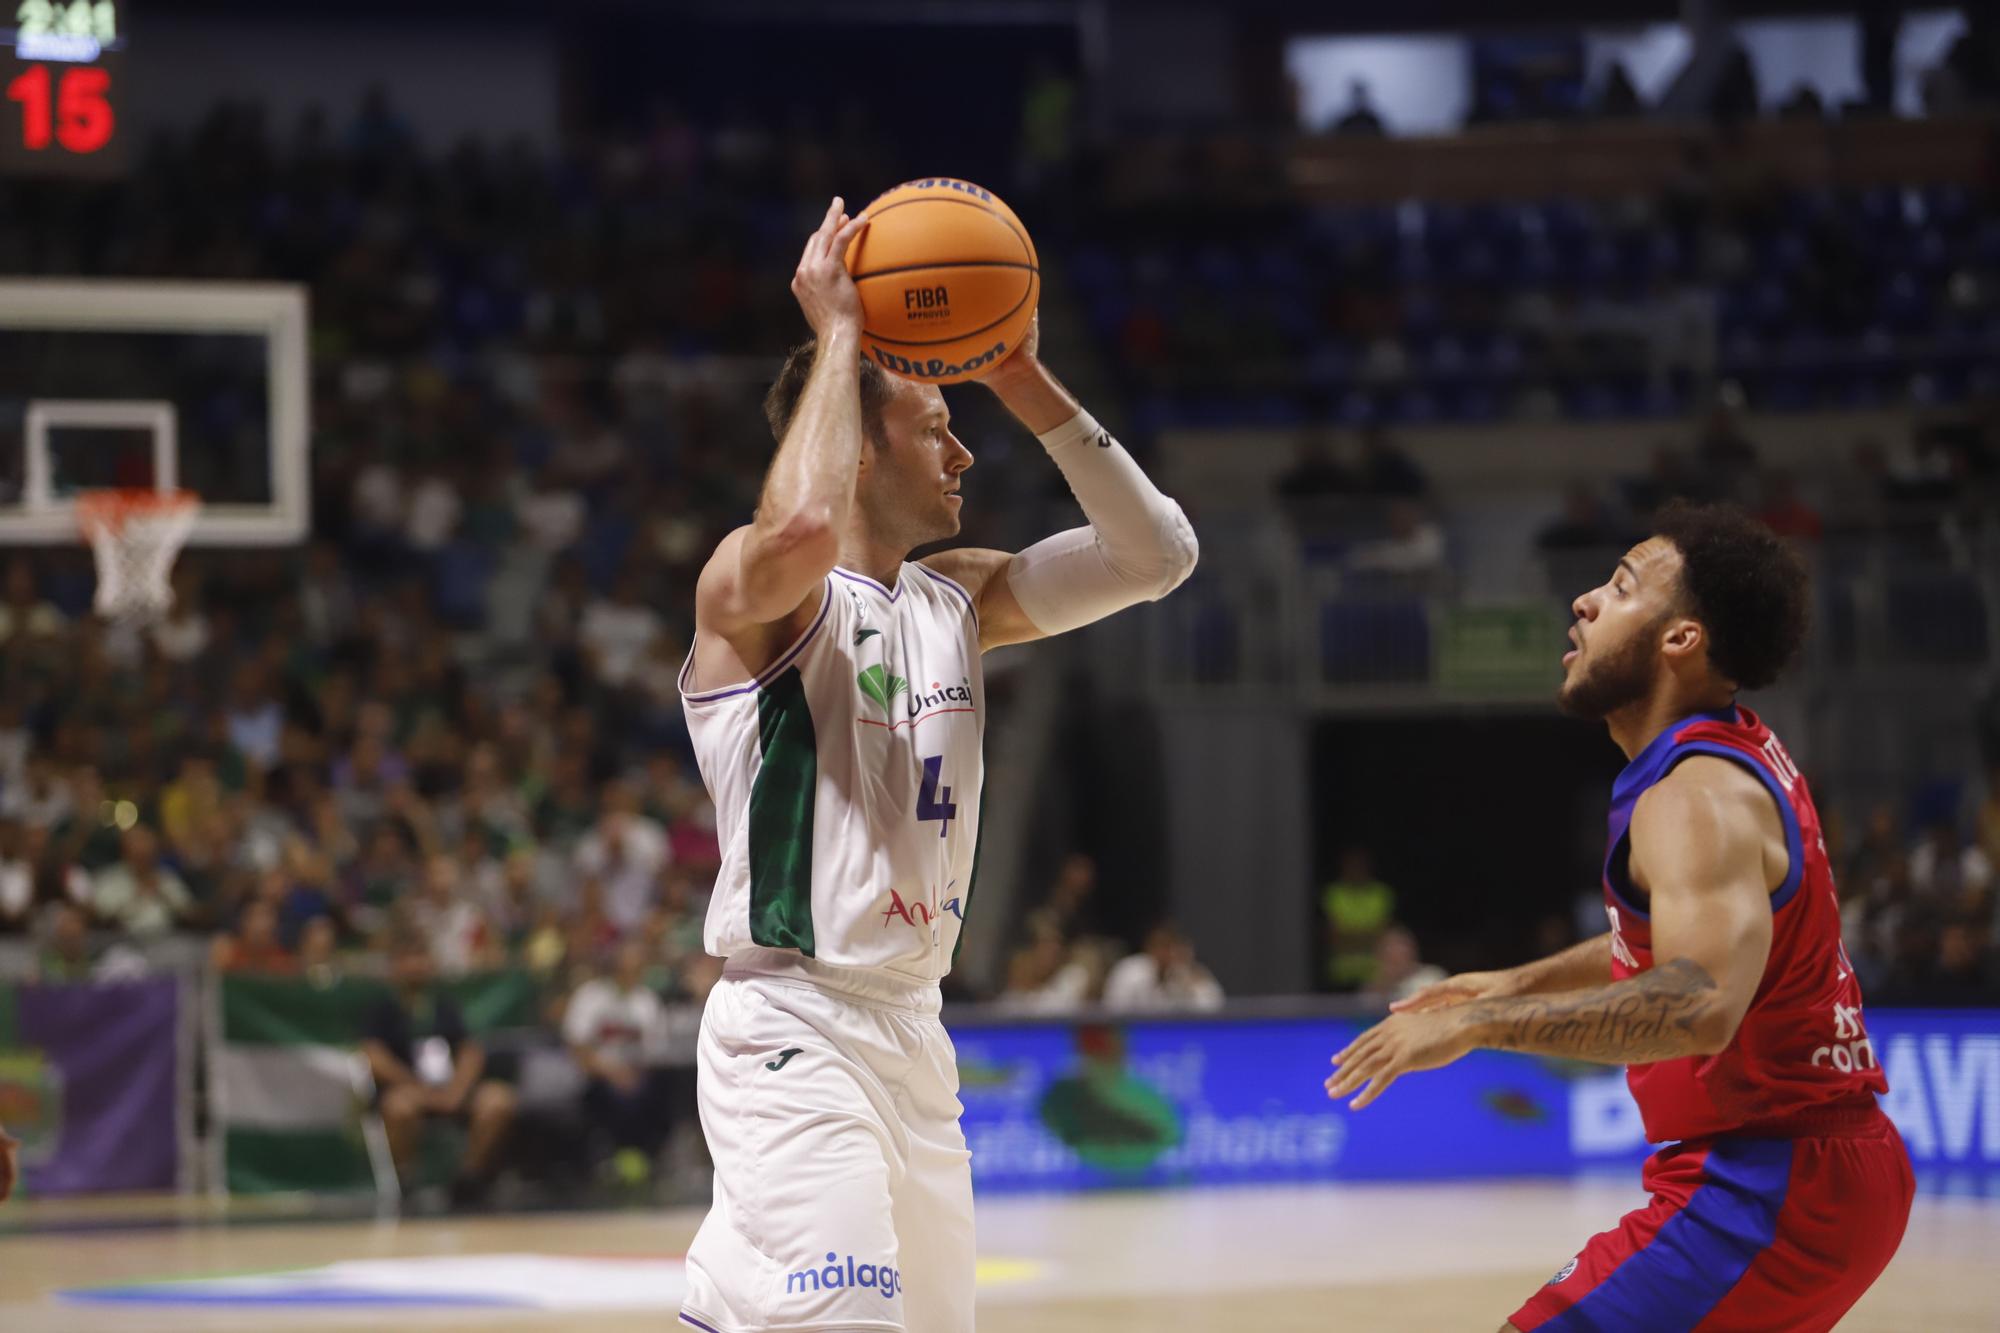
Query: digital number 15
{"type": "Point", "coordinates": [78, 117]}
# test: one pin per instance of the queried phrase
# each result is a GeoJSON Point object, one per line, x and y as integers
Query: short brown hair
{"type": "Point", "coordinates": [783, 399]}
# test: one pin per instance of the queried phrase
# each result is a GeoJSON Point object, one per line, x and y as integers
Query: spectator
{"type": "Point", "coordinates": [625, 853]}
{"type": "Point", "coordinates": [256, 720]}
{"type": "Point", "coordinates": [1072, 894]}
{"type": "Point", "coordinates": [1583, 525]}
{"type": "Point", "coordinates": [15, 742]}
{"type": "Point", "coordinates": [550, 512]}
{"type": "Point", "coordinates": [326, 595]}
{"type": "Point", "coordinates": [1618, 99]}
{"type": "Point", "coordinates": [254, 945]}
{"type": "Point", "coordinates": [1162, 976]}
{"type": "Point", "coordinates": [616, 633]}
{"type": "Point", "coordinates": [1048, 975]}
{"type": "Point", "coordinates": [1785, 513]}
{"type": "Point", "coordinates": [17, 880]}
{"type": "Point", "coordinates": [1359, 119]}
{"type": "Point", "coordinates": [614, 1026]}
{"type": "Point", "coordinates": [448, 921]}
{"type": "Point", "coordinates": [1987, 819]}
{"type": "Point", "coordinates": [1048, 125]}
{"type": "Point", "coordinates": [1315, 478]}
{"type": "Point", "coordinates": [182, 635]}
{"type": "Point", "coordinates": [318, 947]}
{"type": "Point", "coordinates": [433, 513]}
{"type": "Point", "coordinates": [23, 613]}
{"type": "Point", "coordinates": [42, 800]}
{"type": "Point", "coordinates": [191, 803]}
{"type": "Point", "coordinates": [66, 956]}
{"type": "Point", "coordinates": [1413, 550]}
{"type": "Point", "coordinates": [1967, 975]}
{"type": "Point", "coordinates": [139, 894]}
{"type": "Point", "coordinates": [89, 834]}
{"type": "Point", "coordinates": [1734, 97]}
{"type": "Point", "coordinates": [1399, 971]}
{"type": "Point", "coordinates": [427, 1065]}
{"type": "Point", "coordinates": [1945, 869]}
{"type": "Point", "coordinates": [1388, 471]}
{"type": "Point", "coordinates": [1357, 907]}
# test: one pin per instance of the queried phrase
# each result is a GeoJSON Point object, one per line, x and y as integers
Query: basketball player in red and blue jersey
{"type": "Point", "coordinates": [1784, 1190]}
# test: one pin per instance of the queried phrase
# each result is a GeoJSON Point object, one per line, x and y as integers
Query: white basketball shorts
{"type": "Point", "coordinates": [843, 1188]}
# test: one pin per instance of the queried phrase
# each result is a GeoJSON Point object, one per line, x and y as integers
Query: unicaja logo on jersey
{"type": "Point", "coordinates": [837, 1275]}
{"type": "Point", "coordinates": [940, 695]}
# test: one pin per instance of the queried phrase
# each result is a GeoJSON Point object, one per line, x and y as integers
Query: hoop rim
{"type": "Point", "coordinates": [109, 507]}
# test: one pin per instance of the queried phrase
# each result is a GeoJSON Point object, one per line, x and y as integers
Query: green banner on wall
{"type": "Point", "coordinates": [288, 1082]}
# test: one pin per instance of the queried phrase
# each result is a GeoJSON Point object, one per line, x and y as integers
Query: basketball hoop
{"type": "Point", "coordinates": [135, 535]}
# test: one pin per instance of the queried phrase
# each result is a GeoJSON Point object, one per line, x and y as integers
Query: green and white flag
{"type": "Point", "coordinates": [288, 1084]}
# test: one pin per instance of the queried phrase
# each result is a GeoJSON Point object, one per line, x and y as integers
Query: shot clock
{"type": "Point", "coordinates": [61, 87]}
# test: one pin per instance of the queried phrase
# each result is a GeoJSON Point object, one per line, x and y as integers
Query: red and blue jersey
{"type": "Point", "coordinates": [1789, 1191]}
{"type": "Point", "coordinates": [1802, 1048]}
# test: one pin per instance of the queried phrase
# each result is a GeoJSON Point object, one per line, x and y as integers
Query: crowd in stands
{"type": "Point", "coordinates": [1920, 889]}
{"type": "Point", "coordinates": [1066, 961]}
{"type": "Point", "coordinates": [449, 724]}
{"type": "Point", "coordinates": [1550, 308]}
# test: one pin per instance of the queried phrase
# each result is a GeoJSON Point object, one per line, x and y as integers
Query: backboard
{"type": "Point", "coordinates": [199, 385]}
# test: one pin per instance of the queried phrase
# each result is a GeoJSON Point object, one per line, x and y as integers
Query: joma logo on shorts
{"type": "Point", "coordinates": [833, 1277]}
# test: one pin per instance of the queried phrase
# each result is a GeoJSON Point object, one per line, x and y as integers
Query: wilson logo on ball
{"type": "Point", "coordinates": [936, 368]}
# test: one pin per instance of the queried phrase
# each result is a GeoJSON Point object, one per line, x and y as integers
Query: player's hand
{"type": "Point", "coordinates": [1461, 989]}
{"type": "Point", "coordinates": [1021, 361]}
{"type": "Point", "coordinates": [825, 292]}
{"type": "Point", "coordinates": [1400, 1044]}
{"type": "Point", "coordinates": [8, 1164]}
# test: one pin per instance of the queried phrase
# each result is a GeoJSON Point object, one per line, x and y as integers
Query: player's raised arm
{"type": "Point", "coordinates": [761, 573]}
{"type": "Point", "coordinates": [1700, 848]}
{"type": "Point", "coordinates": [1137, 548]}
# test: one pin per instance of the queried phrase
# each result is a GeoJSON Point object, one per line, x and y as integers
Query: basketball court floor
{"type": "Point", "coordinates": [1419, 1257]}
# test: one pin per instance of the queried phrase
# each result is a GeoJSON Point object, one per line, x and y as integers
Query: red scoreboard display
{"type": "Point", "coordinates": [62, 71]}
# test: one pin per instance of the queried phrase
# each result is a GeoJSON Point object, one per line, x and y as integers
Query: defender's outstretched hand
{"type": "Point", "coordinates": [824, 290]}
{"type": "Point", "coordinates": [1400, 1044]}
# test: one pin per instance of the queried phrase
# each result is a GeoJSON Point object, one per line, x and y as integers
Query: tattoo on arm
{"type": "Point", "coordinates": [1658, 1015]}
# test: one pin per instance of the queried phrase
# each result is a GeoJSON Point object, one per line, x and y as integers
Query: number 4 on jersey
{"type": "Point", "coordinates": [934, 801]}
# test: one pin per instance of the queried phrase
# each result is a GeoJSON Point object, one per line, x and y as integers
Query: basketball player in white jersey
{"type": "Point", "coordinates": [837, 710]}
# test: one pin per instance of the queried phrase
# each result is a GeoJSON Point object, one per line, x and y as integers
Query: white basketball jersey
{"type": "Point", "coordinates": [846, 781]}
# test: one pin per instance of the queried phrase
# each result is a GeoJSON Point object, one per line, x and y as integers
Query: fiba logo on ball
{"type": "Point", "coordinates": [926, 303]}
{"type": "Point", "coordinates": [1563, 1272]}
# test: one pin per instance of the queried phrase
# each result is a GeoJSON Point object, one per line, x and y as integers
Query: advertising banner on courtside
{"type": "Point", "coordinates": [1229, 1101]}
{"type": "Point", "coordinates": [88, 1082]}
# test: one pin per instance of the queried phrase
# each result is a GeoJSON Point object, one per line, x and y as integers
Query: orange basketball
{"type": "Point", "coordinates": [948, 280]}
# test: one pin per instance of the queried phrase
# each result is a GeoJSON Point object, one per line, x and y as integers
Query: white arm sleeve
{"type": "Point", "coordinates": [1138, 548]}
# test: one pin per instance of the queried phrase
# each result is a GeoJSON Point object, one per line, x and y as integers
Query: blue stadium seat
{"type": "Point", "coordinates": [1374, 641]}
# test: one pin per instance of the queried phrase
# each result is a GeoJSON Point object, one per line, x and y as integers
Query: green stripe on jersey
{"type": "Point", "coordinates": [781, 817]}
{"type": "Point", "coordinates": [971, 880]}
